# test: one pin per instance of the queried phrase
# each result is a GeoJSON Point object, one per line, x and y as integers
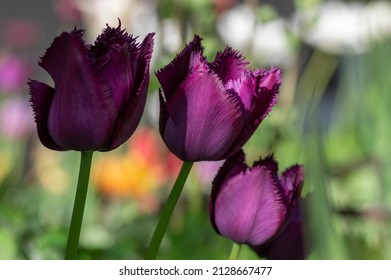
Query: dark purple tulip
{"type": "Point", "coordinates": [99, 94]}
{"type": "Point", "coordinates": [252, 205]}
{"type": "Point", "coordinates": [208, 111]}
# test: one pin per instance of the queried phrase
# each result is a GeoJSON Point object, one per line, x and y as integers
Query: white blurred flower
{"type": "Point", "coordinates": [96, 13]}
{"type": "Point", "coordinates": [137, 16]}
{"type": "Point", "coordinates": [236, 26]}
{"type": "Point", "coordinates": [339, 27]}
{"type": "Point", "coordinates": [267, 41]}
{"type": "Point", "coordinates": [143, 17]}
{"type": "Point", "coordinates": [170, 35]}
{"type": "Point", "coordinates": [270, 44]}
{"type": "Point", "coordinates": [379, 19]}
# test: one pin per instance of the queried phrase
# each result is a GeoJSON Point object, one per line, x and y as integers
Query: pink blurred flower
{"type": "Point", "coordinates": [16, 118]}
{"type": "Point", "coordinates": [13, 73]}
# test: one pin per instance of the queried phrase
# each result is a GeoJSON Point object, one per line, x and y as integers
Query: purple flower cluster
{"type": "Point", "coordinates": [208, 111]}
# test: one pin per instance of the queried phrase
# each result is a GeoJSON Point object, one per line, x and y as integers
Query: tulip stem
{"type": "Point", "coordinates": [78, 206]}
{"type": "Point", "coordinates": [235, 251]}
{"type": "Point", "coordinates": [167, 211]}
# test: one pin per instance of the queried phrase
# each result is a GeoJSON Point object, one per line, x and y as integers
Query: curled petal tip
{"type": "Point", "coordinates": [271, 79]}
{"type": "Point", "coordinates": [172, 75]}
{"type": "Point", "coordinates": [229, 64]}
{"type": "Point", "coordinates": [119, 24]}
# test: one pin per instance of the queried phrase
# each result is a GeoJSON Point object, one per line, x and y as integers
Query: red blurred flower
{"type": "Point", "coordinates": [21, 33]}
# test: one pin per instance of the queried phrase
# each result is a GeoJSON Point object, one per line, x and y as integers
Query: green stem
{"type": "Point", "coordinates": [235, 251]}
{"type": "Point", "coordinates": [78, 207]}
{"type": "Point", "coordinates": [167, 211]}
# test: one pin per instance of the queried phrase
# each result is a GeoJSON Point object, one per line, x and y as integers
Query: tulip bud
{"type": "Point", "coordinates": [252, 205]}
{"type": "Point", "coordinates": [99, 90]}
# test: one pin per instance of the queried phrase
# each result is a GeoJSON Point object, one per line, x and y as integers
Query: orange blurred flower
{"type": "Point", "coordinates": [146, 166]}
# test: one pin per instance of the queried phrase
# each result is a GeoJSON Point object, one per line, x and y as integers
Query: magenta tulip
{"type": "Point", "coordinates": [99, 90]}
{"type": "Point", "coordinates": [252, 205]}
{"type": "Point", "coordinates": [208, 111]}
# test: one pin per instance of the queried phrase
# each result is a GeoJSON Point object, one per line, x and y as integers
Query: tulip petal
{"type": "Point", "coordinates": [246, 212]}
{"type": "Point", "coordinates": [269, 162]}
{"type": "Point", "coordinates": [173, 75]}
{"type": "Point", "coordinates": [258, 92]}
{"type": "Point", "coordinates": [288, 245]}
{"type": "Point", "coordinates": [116, 56]}
{"type": "Point", "coordinates": [291, 183]}
{"type": "Point", "coordinates": [163, 113]}
{"type": "Point", "coordinates": [129, 119]}
{"type": "Point", "coordinates": [82, 113]}
{"type": "Point", "coordinates": [229, 65]}
{"type": "Point", "coordinates": [268, 85]}
{"type": "Point", "coordinates": [41, 98]}
{"type": "Point", "coordinates": [245, 87]}
{"type": "Point", "coordinates": [229, 169]}
{"type": "Point", "coordinates": [204, 119]}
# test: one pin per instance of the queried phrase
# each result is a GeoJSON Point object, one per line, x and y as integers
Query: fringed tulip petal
{"type": "Point", "coordinates": [245, 87]}
{"type": "Point", "coordinates": [291, 182]}
{"type": "Point", "coordinates": [116, 54]}
{"type": "Point", "coordinates": [230, 168]}
{"type": "Point", "coordinates": [229, 65]}
{"type": "Point", "coordinates": [200, 98]}
{"type": "Point", "coordinates": [173, 75]}
{"type": "Point", "coordinates": [130, 116]}
{"type": "Point", "coordinates": [41, 99]}
{"type": "Point", "coordinates": [259, 93]}
{"type": "Point", "coordinates": [265, 95]}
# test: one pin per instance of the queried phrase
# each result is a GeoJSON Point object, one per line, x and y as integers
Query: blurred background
{"type": "Point", "coordinates": [333, 116]}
